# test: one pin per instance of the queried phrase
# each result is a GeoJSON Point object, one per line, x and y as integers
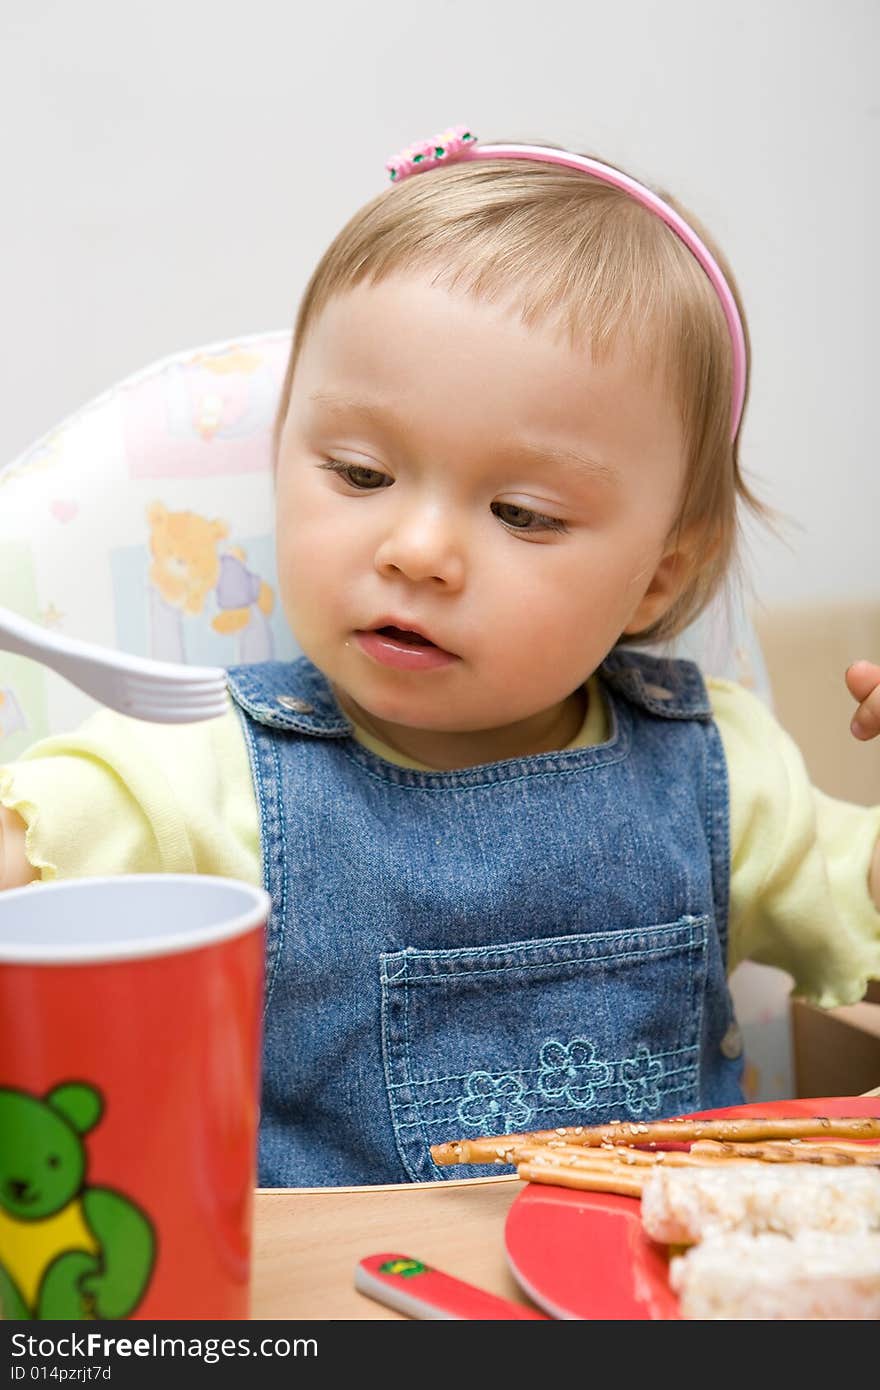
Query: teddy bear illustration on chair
{"type": "Point", "coordinates": [187, 568]}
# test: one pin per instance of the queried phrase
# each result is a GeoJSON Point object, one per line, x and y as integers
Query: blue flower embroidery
{"type": "Point", "coordinates": [641, 1076]}
{"type": "Point", "coordinates": [571, 1071]}
{"type": "Point", "coordinates": [494, 1105]}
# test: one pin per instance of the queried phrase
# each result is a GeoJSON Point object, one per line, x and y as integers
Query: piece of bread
{"type": "Point", "coordinates": [815, 1275]}
{"type": "Point", "coordinates": [683, 1205]}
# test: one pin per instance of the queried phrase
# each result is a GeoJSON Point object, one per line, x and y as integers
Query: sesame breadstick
{"type": "Point", "coordinates": [597, 1179]}
{"type": "Point", "coordinates": [775, 1151]}
{"type": "Point", "coordinates": [621, 1156]}
{"type": "Point", "coordinates": [862, 1153]}
{"type": "Point", "coordinates": [705, 1153]}
{"type": "Point", "coordinates": [492, 1148]}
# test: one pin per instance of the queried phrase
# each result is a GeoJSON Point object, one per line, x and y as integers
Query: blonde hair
{"type": "Point", "coordinates": [586, 258]}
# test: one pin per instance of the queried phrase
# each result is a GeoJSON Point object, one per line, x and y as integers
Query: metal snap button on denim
{"type": "Point", "coordinates": [295, 705]}
{"type": "Point", "coordinates": [732, 1043]}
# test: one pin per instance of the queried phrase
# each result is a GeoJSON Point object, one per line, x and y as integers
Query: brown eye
{"type": "Point", "coordinates": [523, 519]}
{"type": "Point", "coordinates": [366, 479]}
{"type": "Point", "coordinates": [511, 515]}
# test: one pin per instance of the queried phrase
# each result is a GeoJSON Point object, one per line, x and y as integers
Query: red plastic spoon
{"type": "Point", "coordinates": [414, 1288]}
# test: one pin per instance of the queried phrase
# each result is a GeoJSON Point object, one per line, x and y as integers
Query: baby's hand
{"type": "Point", "coordinates": [15, 870]}
{"type": "Point", "coordinates": [863, 683]}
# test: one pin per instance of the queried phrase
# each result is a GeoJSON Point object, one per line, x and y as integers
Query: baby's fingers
{"type": "Point", "coordinates": [863, 683]}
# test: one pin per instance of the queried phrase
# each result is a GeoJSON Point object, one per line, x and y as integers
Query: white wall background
{"type": "Point", "coordinates": [173, 169]}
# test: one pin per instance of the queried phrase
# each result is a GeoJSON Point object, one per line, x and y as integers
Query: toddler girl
{"type": "Point", "coordinates": [512, 857]}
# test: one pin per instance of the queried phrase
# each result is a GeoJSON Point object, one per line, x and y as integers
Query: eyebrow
{"type": "Point", "coordinates": [534, 451]}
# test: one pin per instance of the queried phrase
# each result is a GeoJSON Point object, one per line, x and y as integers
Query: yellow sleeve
{"type": "Point", "coordinates": [122, 796]}
{"type": "Point", "coordinates": [800, 860]}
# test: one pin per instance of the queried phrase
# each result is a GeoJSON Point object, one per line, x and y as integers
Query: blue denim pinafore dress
{"type": "Point", "coordinates": [520, 945]}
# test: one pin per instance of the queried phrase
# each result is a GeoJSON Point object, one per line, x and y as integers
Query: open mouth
{"type": "Point", "coordinates": [404, 635]}
{"type": "Point", "coordinates": [402, 648]}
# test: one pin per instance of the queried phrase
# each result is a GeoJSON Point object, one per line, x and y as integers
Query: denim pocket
{"type": "Point", "coordinates": [564, 1030]}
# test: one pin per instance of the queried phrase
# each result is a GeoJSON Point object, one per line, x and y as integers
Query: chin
{"type": "Point", "coordinates": [394, 710]}
{"type": "Point", "coordinates": [410, 709]}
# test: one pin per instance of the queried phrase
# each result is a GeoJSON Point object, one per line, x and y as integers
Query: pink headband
{"type": "Point", "coordinates": [458, 144]}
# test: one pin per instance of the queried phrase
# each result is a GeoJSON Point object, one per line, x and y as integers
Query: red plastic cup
{"type": "Point", "coordinates": [130, 1036]}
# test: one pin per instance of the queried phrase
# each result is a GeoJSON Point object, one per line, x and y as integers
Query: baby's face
{"type": "Point", "coordinates": [445, 469]}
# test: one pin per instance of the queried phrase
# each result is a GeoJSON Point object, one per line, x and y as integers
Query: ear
{"type": "Point", "coordinates": [78, 1104]}
{"type": "Point", "coordinates": [685, 553]}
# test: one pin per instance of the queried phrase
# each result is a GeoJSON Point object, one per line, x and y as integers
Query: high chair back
{"type": "Point", "coordinates": [144, 522]}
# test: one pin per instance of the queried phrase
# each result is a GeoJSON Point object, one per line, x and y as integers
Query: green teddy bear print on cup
{"type": "Point", "coordinates": [67, 1250]}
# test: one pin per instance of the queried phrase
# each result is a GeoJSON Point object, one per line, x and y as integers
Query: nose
{"type": "Point", "coordinates": [423, 543]}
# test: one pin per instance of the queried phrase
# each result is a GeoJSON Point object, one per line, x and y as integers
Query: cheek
{"type": "Point", "coordinates": [306, 527]}
{"type": "Point", "coordinates": [567, 612]}
{"type": "Point", "coordinates": [301, 568]}
{"type": "Point", "coordinates": [553, 591]}
{"type": "Point", "coordinates": [307, 575]}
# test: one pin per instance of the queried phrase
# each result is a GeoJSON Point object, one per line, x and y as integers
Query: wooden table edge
{"type": "Point", "coordinates": [372, 1188]}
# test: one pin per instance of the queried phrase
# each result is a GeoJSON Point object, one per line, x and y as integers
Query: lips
{"type": "Point", "coordinates": [399, 630]}
{"type": "Point", "coordinates": [403, 634]}
{"type": "Point", "coordinates": [396, 643]}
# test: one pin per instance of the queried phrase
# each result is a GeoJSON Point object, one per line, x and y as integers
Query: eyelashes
{"type": "Point", "coordinates": [513, 517]}
{"type": "Point", "coordinates": [366, 479]}
{"type": "Point", "coordinates": [516, 523]}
